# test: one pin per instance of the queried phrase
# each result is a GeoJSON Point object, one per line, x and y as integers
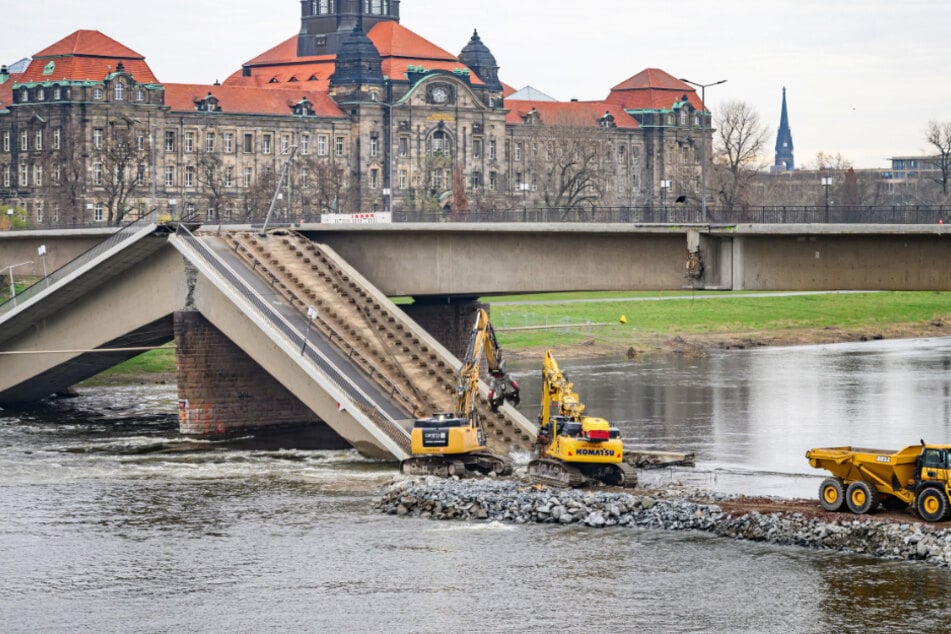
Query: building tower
{"type": "Point", "coordinates": [480, 59]}
{"type": "Point", "coordinates": [784, 144]}
{"type": "Point", "coordinates": [326, 24]}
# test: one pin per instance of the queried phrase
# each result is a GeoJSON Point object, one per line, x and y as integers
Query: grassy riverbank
{"type": "Point", "coordinates": [589, 324]}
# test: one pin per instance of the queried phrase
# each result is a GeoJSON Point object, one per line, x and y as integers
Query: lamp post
{"type": "Point", "coordinates": [827, 183]}
{"type": "Point", "coordinates": [703, 141]}
{"type": "Point", "coordinates": [41, 251]}
{"type": "Point", "coordinates": [13, 291]}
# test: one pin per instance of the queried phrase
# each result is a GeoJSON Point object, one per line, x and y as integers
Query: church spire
{"type": "Point", "coordinates": [784, 142]}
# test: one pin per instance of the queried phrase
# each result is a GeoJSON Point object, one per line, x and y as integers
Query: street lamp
{"type": "Point", "coordinates": [703, 141]}
{"type": "Point", "coordinates": [827, 183]}
{"type": "Point", "coordinates": [664, 186]}
{"type": "Point", "coordinates": [13, 290]}
{"type": "Point", "coordinates": [41, 251]}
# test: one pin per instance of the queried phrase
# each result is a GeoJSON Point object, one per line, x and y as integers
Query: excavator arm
{"type": "Point", "coordinates": [502, 387]}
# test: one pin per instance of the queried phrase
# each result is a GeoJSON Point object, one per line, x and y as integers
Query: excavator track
{"type": "Point", "coordinates": [630, 475]}
{"type": "Point", "coordinates": [555, 473]}
{"type": "Point", "coordinates": [461, 465]}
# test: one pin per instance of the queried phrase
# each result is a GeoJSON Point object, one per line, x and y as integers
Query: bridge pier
{"type": "Point", "coordinates": [223, 392]}
{"type": "Point", "coordinates": [448, 319]}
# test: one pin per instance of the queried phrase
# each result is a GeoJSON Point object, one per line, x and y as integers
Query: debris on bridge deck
{"type": "Point", "coordinates": [644, 459]}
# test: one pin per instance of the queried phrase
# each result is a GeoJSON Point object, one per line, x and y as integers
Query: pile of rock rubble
{"type": "Point", "coordinates": [671, 509]}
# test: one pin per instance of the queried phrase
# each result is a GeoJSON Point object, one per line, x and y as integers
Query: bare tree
{"type": "Point", "coordinates": [568, 167]}
{"type": "Point", "coordinates": [120, 163]}
{"type": "Point", "coordinates": [460, 202]}
{"type": "Point", "coordinates": [740, 139]}
{"type": "Point", "coordinates": [320, 184]}
{"type": "Point", "coordinates": [938, 136]}
{"type": "Point", "coordinates": [210, 175]}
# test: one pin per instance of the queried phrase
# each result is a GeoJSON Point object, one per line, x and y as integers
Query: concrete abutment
{"type": "Point", "coordinates": [448, 320]}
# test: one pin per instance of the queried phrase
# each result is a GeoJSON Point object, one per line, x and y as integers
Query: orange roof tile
{"type": "Point", "coordinates": [308, 76]}
{"type": "Point", "coordinates": [91, 43]}
{"type": "Point", "coordinates": [86, 55]}
{"type": "Point", "coordinates": [569, 113]}
{"type": "Point", "coordinates": [393, 39]}
{"type": "Point", "coordinates": [249, 100]}
{"type": "Point", "coordinates": [6, 91]}
{"type": "Point", "coordinates": [283, 53]}
{"type": "Point", "coordinates": [653, 89]}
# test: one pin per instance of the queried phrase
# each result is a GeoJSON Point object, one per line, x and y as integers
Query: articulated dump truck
{"type": "Point", "coordinates": [862, 479]}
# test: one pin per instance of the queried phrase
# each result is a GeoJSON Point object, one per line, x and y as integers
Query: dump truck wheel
{"type": "Point", "coordinates": [832, 494]}
{"type": "Point", "coordinates": [932, 504]}
{"type": "Point", "coordinates": [862, 497]}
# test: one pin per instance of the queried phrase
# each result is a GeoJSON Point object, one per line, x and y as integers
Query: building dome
{"type": "Point", "coordinates": [477, 56]}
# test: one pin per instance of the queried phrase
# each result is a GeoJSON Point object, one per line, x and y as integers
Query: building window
{"type": "Point", "coordinates": [24, 95]}
{"type": "Point", "coordinates": [98, 212]}
{"type": "Point", "coordinates": [40, 94]}
{"type": "Point", "coordinates": [403, 179]}
{"type": "Point", "coordinates": [440, 144]}
{"type": "Point", "coordinates": [139, 95]}
{"type": "Point", "coordinates": [304, 144]}
{"type": "Point", "coordinates": [24, 175]}
{"type": "Point", "coordinates": [321, 145]}
{"type": "Point", "coordinates": [493, 180]}
{"type": "Point", "coordinates": [229, 211]}
{"type": "Point", "coordinates": [477, 148]}
{"type": "Point", "coordinates": [6, 175]}
{"type": "Point", "coordinates": [57, 174]}
{"type": "Point", "coordinates": [190, 176]}
{"type": "Point", "coordinates": [518, 151]}
{"type": "Point", "coordinates": [374, 146]}
{"type": "Point", "coordinates": [169, 141]}
{"type": "Point", "coordinates": [189, 141]}
{"type": "Point", "coordinates": [248, 143]}
{"type": "Point", "coordinates": [339, 146]}
{"type": "Point", "coordinates": [40, 208]}
{"type": "Point", "coordinates": [229, 176]}
{"type": "Point", "coordinates": [374, 178]}
{"type": "Point", "coordinates": [170, 176]}
{"type": "Point", "coordinates": [493, 150]}
{"type": "Point", "coordinates": [6, 141]}
{"type": "Point", "coordinates": [285, 143]}
{"type": "Point", "coordinates": [119, 91]}
{"type": "Point", "coordinates": [437, 180]}
{"type": "Point", "coordinates": [247, 177]}
{"type": "Point", "coordinates": [97, 94]}
{"type": "Point", "coordinates": [476, 180]}
{"type": "Point", "coordinates": [229, 143]}
{"type": "Point", "coordinates": [97, 173]}
{"type": "Point", "coordinates": [38, 140]}
{"type": "Point", "coordinates": [635, 186]}
{"type": "Point", "coordinates": [97, 138]}
{"type": "Point", "coordinates": [57, 93]}
{"type": "Point", "coordinates": [24, 141]}
{"type": "Point", "coordinates": [685, 154]}
{"type": "Point", "coordinates": [266, 144]}
{"type": "Point", "coordinates": [404, 146]}
{"type": "Point", "coordinates": [38, 175]}
{"type": "Point", "coordinates": [209, 141]}
{"type": "Point", "coordinates": [140, 140]}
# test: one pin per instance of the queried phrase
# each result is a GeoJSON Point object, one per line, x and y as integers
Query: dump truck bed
{"type": "Point", "coordinates": [889, 470]}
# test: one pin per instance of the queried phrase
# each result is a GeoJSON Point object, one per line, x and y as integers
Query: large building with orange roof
{"type": "Point", "coordinates": [365, 115]}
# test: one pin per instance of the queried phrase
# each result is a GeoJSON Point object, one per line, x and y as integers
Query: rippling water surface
{"type": "Point", "coordinates": [110, 521]}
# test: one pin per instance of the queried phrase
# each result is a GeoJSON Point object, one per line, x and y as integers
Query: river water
{"type": "Point", "coordinates": [109, 521]}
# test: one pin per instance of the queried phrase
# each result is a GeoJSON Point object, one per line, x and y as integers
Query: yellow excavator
{"type": "Point", "coordinates": [452, 443]}
{"type": "Point", "coordinates": [573, 449]}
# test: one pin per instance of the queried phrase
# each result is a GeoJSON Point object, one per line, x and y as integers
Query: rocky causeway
{"type": "Point", "coordinates": [887, 535]}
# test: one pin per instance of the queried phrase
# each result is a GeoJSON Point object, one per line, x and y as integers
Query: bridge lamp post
{"type": "Point", "coordinates": [664, 187]}
{"type": "Point", "coordinates": [826, 184]}
{"type": "Point", "coordinates": [703, 141]}
{"type": "Point", "coordinates": [41, 251]}
{"type": "Point", "coordinates": [13, 290]}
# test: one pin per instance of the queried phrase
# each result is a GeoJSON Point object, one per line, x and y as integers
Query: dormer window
{"type": "Point", "coordinates": [57, 92]}
{"type": "Point", "coordinates": [139, 95]}
{"type": "Point", "coordinates": [24, 95]}
{"type": "Point", "coordinates": [607, 121]}
{"type": "Point", "coordinates": [119, 94]}
{"type": "Point", "coordinates": [40, 94]}
{"type": "Point", "coordinates": [208, 104]}
{"type": "Point", "coordinates": [97, 94]}
{"type": "Point", "coordinates": [303, 108]}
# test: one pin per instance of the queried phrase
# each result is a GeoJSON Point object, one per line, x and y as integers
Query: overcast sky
{"type": "Point", "coordinates": [864, 77]}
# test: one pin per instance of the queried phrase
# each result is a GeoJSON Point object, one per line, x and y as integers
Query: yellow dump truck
{"type": "Point", "coordinates": [862, 479]}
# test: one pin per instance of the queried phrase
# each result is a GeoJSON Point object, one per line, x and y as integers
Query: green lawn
{"type": "Point", "coordinates": [723, 313]}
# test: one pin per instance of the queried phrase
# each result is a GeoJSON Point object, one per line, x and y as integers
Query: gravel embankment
{"type": "Point", "coordinates": [672, 509]}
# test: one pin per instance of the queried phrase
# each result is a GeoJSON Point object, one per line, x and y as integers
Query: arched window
{"type": "Point", "coordinates": [440, 144]}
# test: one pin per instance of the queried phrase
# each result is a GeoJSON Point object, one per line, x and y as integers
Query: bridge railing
{"type": "Point", "coordinates": [123, 234]}
{"type": "Point", "coordinates": [363, 402]}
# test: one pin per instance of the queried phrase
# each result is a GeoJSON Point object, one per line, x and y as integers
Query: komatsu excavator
{"type": "Point", "coordinates": [452, 443]}
{"type": "Point", "coordinates": [572, 449]}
